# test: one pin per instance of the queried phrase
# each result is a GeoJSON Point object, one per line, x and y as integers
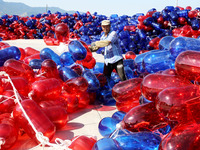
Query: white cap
{"type": "Point", "coordinates": [105, 22]}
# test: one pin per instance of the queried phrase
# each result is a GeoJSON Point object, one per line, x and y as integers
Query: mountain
{"type": "Point", "coordinates": [21, 9]}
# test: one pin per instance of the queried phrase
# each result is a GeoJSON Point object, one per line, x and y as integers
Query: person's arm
{"type": "Point", "coordinates": [98, 44]}
{"type": "Point", "coordinates": [102, 43]}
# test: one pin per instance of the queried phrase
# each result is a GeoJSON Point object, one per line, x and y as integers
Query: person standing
{"type": "Point", "coordinates": [113, 58]}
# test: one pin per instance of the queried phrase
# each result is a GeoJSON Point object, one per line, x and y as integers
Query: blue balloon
{"type": "Point", "coordinates": [177, 46]}
{"type": "Point", "coordinates": [138, 62]}
{"type": "Point", "coordinates": [67, 73]}
{"type": "Point", "coordinates": [181, 44]}
{"type": "Point", "coordinates": [93, 82]}
{"type": "Point", "coordinates": [11, 52]}
{"type": "Point", "coordinates": [157, 61]}
{"type": "Point", "coordinates": [118, 115]}
{"type": "Point", "coordinates": [164, 42]}
{"type": "Point", "coordinates": [66, 59]}
{"type": "Point", "coordinates": [130, 63]}
{"type": "Point", "coordinates": [86, 39]}
{"type": "Point", "coordinates": [173, 16]}
{"type": "Point", "coordinates": [143, 100]}
{"type": "Point", "coordinates": [165, 130]}
{"type": "Point", "coordinates": [139, 140]}
{"type": "Point", "coordinates": [99, 66]}
{"type": "Point", "coordinates": [106, 144]}
{"type": "Point", "coordinates": [148, 21]}
{"type": "Point", "coordinates": [48, 53]}
{"type": "Point", "coordinates": [107, 126]}
{"type": "Point", "coordinates": [183, 13]}
{"type": "Point", "coordinates": [105, 97]}
{"type": "Point", "coordinates": [195, 24]}
{"type": "Point", "coordinates": [156, 15]}
{"type": "Point", "coordinates": [169, 8]}
{"type": "Point", "coordinates": [128, 72]}
{"type": "Point", "coordinates": [77, 50]}
{"type": "Point", "coordinates": [35, 63]}
{"type": "Point", "coordinates": [141, 34]}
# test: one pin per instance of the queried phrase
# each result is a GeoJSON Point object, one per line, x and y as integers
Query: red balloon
{"type": "Point", "coordinates": [29, 58]}
{"type": "Point", "coordinates": [130, 55]}
{"type": "Point", "coordinates": [58, 101]}
{"type": "Point", "coordinates": [126, 106]}
{"type": "Point", "coordinates": [143, 117]}
{"type": "Point", "coordinates": [155, 43]}
{"type": "Point", "coordinates": [7, 102]}
{"type": "Point", "coordinates": [22, 53]}
{"type": "Point", "coordinates": [188, 8]}
{"type": "Point", "coordinates": [40, 121]}
{"type": "Point", "coordinates": [78, 69]}
{"type": "Point", "coordinates": [62, 32]}
{"type": "Point", "coordinates": [21, 84]}
{"type": "Point", "coordinates": [140, 25]}
{"type": "Point", "coordinates": [83, 99]}
{"type": "Point", "coordinates": [182, 20]}
{"type": "Point", "coordinates": [102, 79]}
{"type": "Point", "coordinates": [57, 114]}
{"type": "Point", "coordinates": [192, 14]}
{"type": "Point", "coordinates": [71, 100]}
{"type": "Point", "coordinates": [45, 89]}
{"type": "Point", "coordinates": [87, 64]}
{"type": "Point", "coordinates": [49, 69]}
{"type": "Point", "coordinates": [75, 85]}
{"type": "Point", "coordinates": [30, 51]}
{"type": "Point", "coordinates": [152, 84]}
{"type": "Point", "coordinates": [141, 18]}
{"type": "Point", "coordinates": [8, 131]}
{"type": "Point", "coordinates": [150, 13]}
{"type": "Point", "coordinates": [18, 68]}
{"type": "Point", "coordinates": [127, 90]}
{"type": "Point", "coordinates": [176, 103]}
{"type": "Point", "coordinates": [92, 97]}
{"type": "Point", "coordinates": [160, 20]}
{"type": "Point", "coordinates": [183, 136]}
{"type": "Point", "coordinates": [82, 143]}
{"type": "Point", "coordinates": [169, 72]}
{"type": "Point", "coordinates": [187, 64]}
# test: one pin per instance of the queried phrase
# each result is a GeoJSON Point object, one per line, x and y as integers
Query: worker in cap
{"type": "Point", "coordinates": [113, 58]}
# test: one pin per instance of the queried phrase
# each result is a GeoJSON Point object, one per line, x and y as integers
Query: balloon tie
{"type": "Point", "coordinates": [38, 75]}
{"type": "Point", "coordinates": [7, 98]}
{"type": "Point", "coordinates": [116, 132]}
{"type": "Point", "coordinates": [2, 142]}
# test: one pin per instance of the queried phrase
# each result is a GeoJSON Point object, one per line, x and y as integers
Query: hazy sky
{"type": "Point", "coordinates": [108, 7]}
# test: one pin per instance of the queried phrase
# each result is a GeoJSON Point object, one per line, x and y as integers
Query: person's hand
{"type": "Point", "coordinates": [93, 47]}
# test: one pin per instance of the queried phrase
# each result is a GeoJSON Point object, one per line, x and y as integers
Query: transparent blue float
{"type": "Point", "coordinates": [93, 82]}
{"type": "Point", "coordinates": [77, 50]}
{"type": "Point", "coordinates": [48, 53]}
{"type": "Point", "coordinates": [67, 73]}
{"type": "Point", "coordinates": [66, 59]}
{"type": "Point", "coordinates": [9, 53]}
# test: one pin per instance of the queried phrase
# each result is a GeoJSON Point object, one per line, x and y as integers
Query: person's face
{"type": "Point", "coordinates": [106, 29]}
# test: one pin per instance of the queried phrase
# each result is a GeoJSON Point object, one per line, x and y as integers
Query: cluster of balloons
{"type": "Point", "coordinates": [45, 83]}
{"type": "Point", "coordinates": [41, 26]}
{"type": "Point", "coordinates": [138, 32]}
{"type": "Point", "coordinates": [158, 105]}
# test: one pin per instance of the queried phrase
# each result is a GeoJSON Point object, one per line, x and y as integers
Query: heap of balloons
{"type": "Point", "coordinates": [138, 32]}
{"type": "Point", "coordinates": [158, 106]}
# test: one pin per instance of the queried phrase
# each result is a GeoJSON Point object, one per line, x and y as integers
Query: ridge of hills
{"type": "Point", "coordinates": [21, 9]}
